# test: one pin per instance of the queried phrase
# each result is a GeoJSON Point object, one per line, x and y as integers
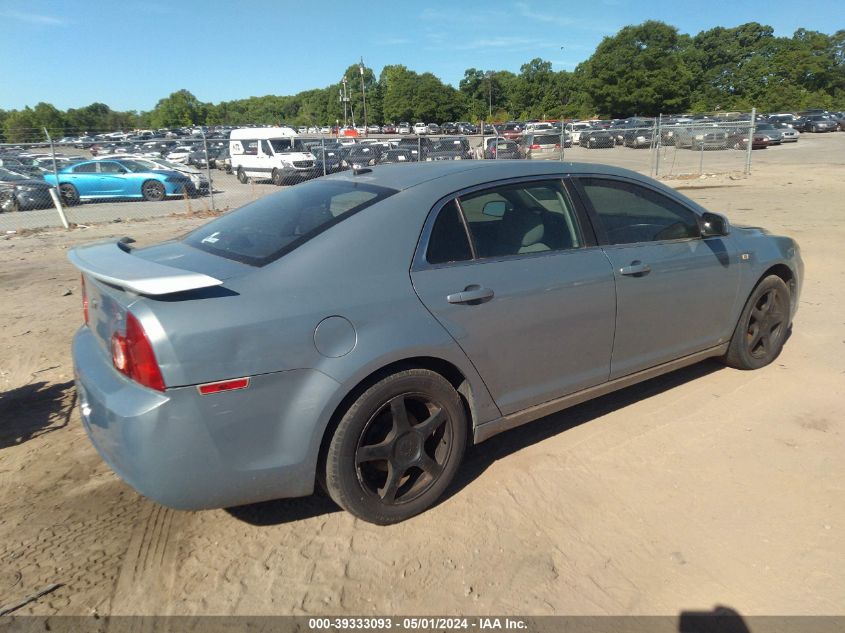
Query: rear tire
{"type": "Point", "coordinates": [763, 325]}
{"type": "Point", "coordinates": [242, 177]}
{"type": "Point", "coordinates": [397, 448]}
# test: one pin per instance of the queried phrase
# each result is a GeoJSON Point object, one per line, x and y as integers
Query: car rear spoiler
{"type": "Point", "coordinates": [113, 263]}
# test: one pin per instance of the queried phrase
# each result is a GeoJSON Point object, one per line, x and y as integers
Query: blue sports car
{"type": "Point", "coordinates": [125, 178]}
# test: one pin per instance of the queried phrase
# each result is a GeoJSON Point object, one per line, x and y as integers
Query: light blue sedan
{"type": "Point", "coordinates": [126, 178]}
{"type": "Point", "coordinates": [360, 330]}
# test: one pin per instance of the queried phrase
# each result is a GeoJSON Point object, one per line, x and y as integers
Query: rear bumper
{"type": "Point", "coordinates": [193, 452]}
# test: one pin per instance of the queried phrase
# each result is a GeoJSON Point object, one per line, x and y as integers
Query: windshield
{"type": "Point", "coordinates": [286, 145]}
{"type": "Point", "coordinates": [270, 227]}
{"type": "Point", "coordinates": [166, 164]}
{"type": "Point", "coordinates": [5, 174]}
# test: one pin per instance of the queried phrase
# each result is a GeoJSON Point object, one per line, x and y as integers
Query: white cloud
{"type": "Point", "coordinates": [33, 18]}
{"type": "Point", "coordinates": [527, 12]}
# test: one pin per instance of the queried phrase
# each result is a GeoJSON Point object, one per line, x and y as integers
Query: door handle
{"type": "Point", "coordinates": [636, 269]}
{"type": "Point", "coordinates": [471, 294]}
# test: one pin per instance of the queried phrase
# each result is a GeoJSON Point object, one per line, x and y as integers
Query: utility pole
{"type": "Point", "coordinates": [363, 94]}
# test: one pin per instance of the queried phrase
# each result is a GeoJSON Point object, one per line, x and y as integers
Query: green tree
{"type": "Point", "coordinates": [398, 87]}
{"type": "Point", "coordinates": [485, 92]}
{"type": "Point", "coordinates": [178, 109]}
{"type": "Point", "coordinates": [640, 70]}
{"type": "Point", "coordinates": [21, 126]}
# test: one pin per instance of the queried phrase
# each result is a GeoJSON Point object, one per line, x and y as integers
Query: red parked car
{"type": "Point", "coordinates": [739, 140]}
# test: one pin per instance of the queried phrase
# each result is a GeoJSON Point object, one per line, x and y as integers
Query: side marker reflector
{"type": "Point", "coordinates": [223, 385]}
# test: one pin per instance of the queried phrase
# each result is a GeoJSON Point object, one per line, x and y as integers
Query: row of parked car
{"type": "Point", "coordinates": [26, 179]}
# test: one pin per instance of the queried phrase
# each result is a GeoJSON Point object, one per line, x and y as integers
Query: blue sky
{"type": "Point", "coordinates": [130, 53]}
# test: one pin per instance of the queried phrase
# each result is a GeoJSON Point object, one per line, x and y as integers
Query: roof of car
{"type": "Point", "coordinates": [405, 176]}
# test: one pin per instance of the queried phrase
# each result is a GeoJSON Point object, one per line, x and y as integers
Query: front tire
{"type": "Point", "coordinates": [397, 448]}
{"type": "Point", "coordinates": [761, 332]}
{"type": "Point", "coordinates": [242, 177]}
{"type": "Point", "coordinates": [69, 194]}
{"type": "Point", "coordinates": [277, 178]}
{"type": "Point", "coordinates": [153, 191]}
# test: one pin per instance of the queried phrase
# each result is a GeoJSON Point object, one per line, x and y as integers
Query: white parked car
{"type": "Point", "coordinates": [575, 130]}
{"type": "Point", "coordinates": [325, 130]}
{"type": "Point", "coordinates": [420, 128]}
{"type": "Point", "coordinates": [404, 128]}
{"type": "Point", "coordinates": [179, 154]}
{"type": "Point", "coordinates": [197, 177]}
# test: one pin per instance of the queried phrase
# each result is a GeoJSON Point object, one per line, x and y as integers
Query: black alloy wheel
{"type": "Point", "coordinates": [761, 332]}
{"type": "Point", "coordinates": [397, 448]}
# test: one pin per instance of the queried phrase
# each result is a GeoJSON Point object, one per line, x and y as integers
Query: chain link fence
{"type": "Point", "coordinates": [111, 176]}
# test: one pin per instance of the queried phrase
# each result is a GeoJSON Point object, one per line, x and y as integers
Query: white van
{"type": "Point", "coordinates": [274, 153]}
{"type": "Point", "coordinates": [576, 128]}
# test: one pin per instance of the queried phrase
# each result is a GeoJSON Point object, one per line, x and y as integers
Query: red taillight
{"type": "Point", "coordinates": [557, 145]}
{"type": "Point", "coordinates": [223, 385]}
{"type": "Point", "coordinates": [132, 355]}
{"type": "Point", "coordinates": [535, 146]}
{"type": "Point", "coordinates": [84, 299]}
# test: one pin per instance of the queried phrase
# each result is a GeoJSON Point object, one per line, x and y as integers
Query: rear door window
{"type": "Point", "coordinates": [449, 241]}
{"type": "Point", "coordinates": [521, 219]}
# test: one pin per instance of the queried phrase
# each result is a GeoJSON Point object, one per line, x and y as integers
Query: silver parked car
{"type": "Point", "coordinates": [361, 329]}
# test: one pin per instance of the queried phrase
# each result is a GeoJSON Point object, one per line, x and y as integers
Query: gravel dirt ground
{"type": "Point", "coordinates": [707, 486]}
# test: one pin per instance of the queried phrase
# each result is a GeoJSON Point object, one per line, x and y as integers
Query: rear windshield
{"type": "Point", "coordinates": [270, 227]}
{"type": "Point", "coordinates": [547, 139]}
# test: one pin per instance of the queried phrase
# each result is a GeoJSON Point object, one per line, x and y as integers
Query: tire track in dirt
{"type": "Point", "coordinates": [148, 569]}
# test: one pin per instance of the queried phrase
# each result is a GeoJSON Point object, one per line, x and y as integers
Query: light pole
{"type": "Point", "coordinates": [363, 94]}
{"type": "Point", "coordinates": [345, 99]}
{"type": "Point", "coordinates": [489, 75]}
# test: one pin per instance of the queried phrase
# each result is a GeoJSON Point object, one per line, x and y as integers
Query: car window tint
{"type": "Point", "coordinates": [109, 167]}
{"type": "Point", "coordinates": [631, 213]}
{"type": "Point", "coordinates": [85, 168]}
{"type": "Point", "coordinates": [274, 225]}
{"type": "Point", "coordinates": [448, 241]}
{"type": "Point", "coordinates": [521, 219]}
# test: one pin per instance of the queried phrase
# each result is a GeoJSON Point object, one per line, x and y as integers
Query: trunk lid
{"type": "Point", "coordinates": [115, 276]}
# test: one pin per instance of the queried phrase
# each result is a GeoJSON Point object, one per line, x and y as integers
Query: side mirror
{"type": "Point", "coordinates": [494, 208]}
{"type": "Point", "coordinates": [714, 224]}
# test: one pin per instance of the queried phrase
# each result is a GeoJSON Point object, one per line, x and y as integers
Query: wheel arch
{"type": "Point", "coordinates": [444, 368]}
{"type": "Point", "coordinates": [786, 274]}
